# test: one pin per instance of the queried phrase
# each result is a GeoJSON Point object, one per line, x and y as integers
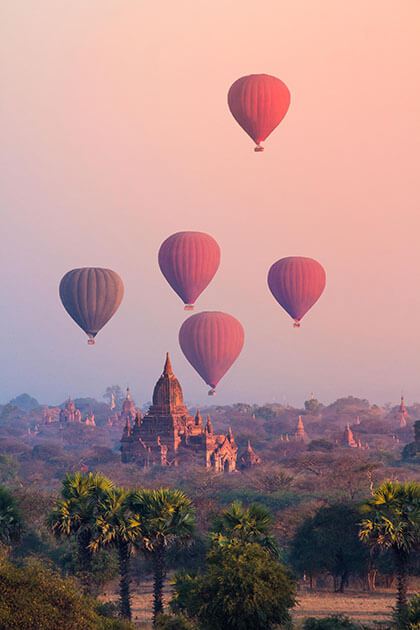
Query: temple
{"type": "Point", "coordinates": [349, 440]}
{"type": "Point", "coordinates": [402, 414]}
{"type": "Point", "coordinates": [70, 413]}
{"type": "Point", "coordinates": [248, 458]}
{"type": "Point", "coordinates": [300, 433]}
{"type": "Point", "coordinates": [169, 436]}
{"type": "Point", "coordinates": [128, 412]}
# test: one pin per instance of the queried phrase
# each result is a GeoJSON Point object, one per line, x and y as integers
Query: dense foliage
{"type": "Point", "coordinates": [35, 597]}
{"type": "Point", "coordinates": [243, 587]}
{"type": "Point", "coordinates": [329, 542]}
{"type": "Point", "coordinates": [392, 522]}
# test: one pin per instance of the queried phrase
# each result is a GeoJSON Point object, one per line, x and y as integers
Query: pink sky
{"type": "Point", "coordinates": [116, 133]}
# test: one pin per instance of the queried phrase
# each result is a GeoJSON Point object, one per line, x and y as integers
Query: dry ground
{"type": "Point", "coordinates": [359, 605]}
{"type": "Point", "coordinates": [369, 608]}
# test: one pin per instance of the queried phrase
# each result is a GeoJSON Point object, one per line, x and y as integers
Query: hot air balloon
{"type": "Point", "coordinates": [91, 296]}
{"type": "Point", "coordinates": [296, 282]}
{"type": "Point", "coordinates": [211, 341]}
{"type": "Point", "coordinates": [259, 102]}
{"type": "Point", "coordinates": [189, 260]}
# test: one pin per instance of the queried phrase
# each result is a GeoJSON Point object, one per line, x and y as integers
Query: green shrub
{"type": "Point", "coordinates": [174, 622]}
{"type": "Point", "coordinates": [243, 588]}
{"type": "Point", "coordinates": [332, 622]}
{"type": "Point", "coordinates": [413, 612]}
{"type": "Point", "coordinates": [35, 597]}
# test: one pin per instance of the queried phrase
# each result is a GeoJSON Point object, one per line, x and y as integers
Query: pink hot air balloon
{"type": "Point", "coordinates": [296, 283]}
{"type": "Point", "coordinates": [258, 102]}
{"type": "Point", "coordinates": [211, 341]}
{"type": "Point", "coordinates": [189, 260]}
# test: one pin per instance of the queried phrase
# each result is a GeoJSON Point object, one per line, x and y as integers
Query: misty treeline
{"type": "Point", "coordinates": [43, 452]}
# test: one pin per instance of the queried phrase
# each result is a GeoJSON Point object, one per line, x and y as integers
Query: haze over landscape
{"type": "Point", "coordinates": [116, 133]}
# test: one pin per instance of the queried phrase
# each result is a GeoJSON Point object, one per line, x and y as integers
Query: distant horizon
{"type": "Point", "coordinates": [212, 402]}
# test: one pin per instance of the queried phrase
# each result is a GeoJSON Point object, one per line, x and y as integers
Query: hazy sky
{"type": "Point", "coordinates": [115, 133]}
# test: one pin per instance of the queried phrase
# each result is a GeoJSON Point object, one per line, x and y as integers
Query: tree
{"type": "Point", "coordinates": [242, 588]}
{"type": "Point", "coordinates": [313, 406]}
{"type": "Point", "coordinates": [333, 622]}
{"type": "Point", "coordinates": [417, 434]}
{"type": "Point", "coordinates": [270, 479]}
{"type": "Point", "coordinates": [11, 520]}
{"type": "Point", "coordinates": [392, 521]}
{"type": "Point", "coordinates": [413, 612]}
{"type": "Point", "coordinates": [161, 518]}
{"type": "Point", "coordinates": [409, 451]}
{"type": "Point", "coordinates": [251, 525]}
{"type": "Point", "coordinates": [75, 514]}
{"type": "Point", "coordinates": [112, 529]}
{"type": "Point", "coordinates": [174, 622]}
{"type": "Point", "coordinates": [266, 412]}
{"type": "Point", "coordinates": [114, 392]}
{"type": "Point", "coordinates": [25, 402]}
{"type": "Point", "coordinates": [320, 445]}
{"type": "Point", "coordinates": [329, 542]}
{"type": "Point", "coordinates": [36, 597]}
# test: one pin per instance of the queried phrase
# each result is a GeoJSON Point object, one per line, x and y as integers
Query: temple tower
{"type": "Point", "coordinates": [348, 438]}
{"type": "Point", "coordinates": [300, 434]}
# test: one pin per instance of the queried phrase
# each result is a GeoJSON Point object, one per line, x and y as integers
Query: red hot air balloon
{"type": "Point", "coordinates": [211, 341]}
{"type": "Point", "coordinates": [259, 102]}
{"type": "Point", "coordinates": [91, 296]}
{"type": "Point", "coordinates": [296, 283]}
{"type": "Point", "coordinates": [189, 260]}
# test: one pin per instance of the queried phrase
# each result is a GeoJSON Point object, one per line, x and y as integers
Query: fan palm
{"type": "Point", "coordinates": [75, 513]}
{"type": "Point", "coordinates": [113, 529]}
{"type": "Point", "coordinates": [11, 520]}
{"type": "Point", "coordinates": [393, 522]}
{"type": "Point", "coordinates": [161, 517]}
{"type": "Point", "coordinates": [252, 525]}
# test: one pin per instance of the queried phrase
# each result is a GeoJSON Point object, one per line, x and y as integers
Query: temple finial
{"type": "Point", "coordinates": [168, 367]}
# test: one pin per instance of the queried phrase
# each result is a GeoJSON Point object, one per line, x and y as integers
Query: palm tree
{"type": "Point", "coordinates": [113, 529]}
{"type": "Point", "coordinates": [393, 522]}
{"type": "Point", "coordinates": [161, 517]}
{"type": "Point", "coordinates": [252, 525]}
{"type": "Point", "coordinates": [74, 515]}
{"type": "Point", "coordinates": [11, 520]}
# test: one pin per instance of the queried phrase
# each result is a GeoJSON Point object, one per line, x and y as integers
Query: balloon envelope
{"type": "Point", "coordinates": [189, 260]}
{"type": "Point", "coordinates": [91, 296]}
{"type": "Point", "coordinates": [211, 341]}
{"type": "Point", "coordinates": [296, 283]}
{"type": "Point", "coordinates": [259, 102]}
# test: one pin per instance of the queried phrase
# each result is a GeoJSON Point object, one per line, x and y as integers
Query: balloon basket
{"type": "Point", "coordinates": [212, 392]}
{"type": "Point", "coordinates": [91, 341]}
{"type": "Point", "coordinates": [259, 149]}
{"type": "Point", "coordinates": [189, 307]}
{"type": "Point", "coordinates": [296, 324]}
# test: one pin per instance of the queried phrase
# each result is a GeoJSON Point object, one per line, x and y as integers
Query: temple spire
{"type": "Point", "coordinates": [300, 430]}
{"type": "Point", "coordinates": [168, 367]}
{"type": "Point", "coordinates": [198, 418]}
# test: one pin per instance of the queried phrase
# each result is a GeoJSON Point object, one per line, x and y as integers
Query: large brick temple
{"type": "Point", "coordinates": [169, 436]}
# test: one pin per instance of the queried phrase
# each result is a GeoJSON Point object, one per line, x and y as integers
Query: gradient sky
{"type": "Point", "coordinates": [115, 133]}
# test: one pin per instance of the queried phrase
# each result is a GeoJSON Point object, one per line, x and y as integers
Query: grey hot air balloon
{"type": "Point", "coordinates": [91, 296]}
